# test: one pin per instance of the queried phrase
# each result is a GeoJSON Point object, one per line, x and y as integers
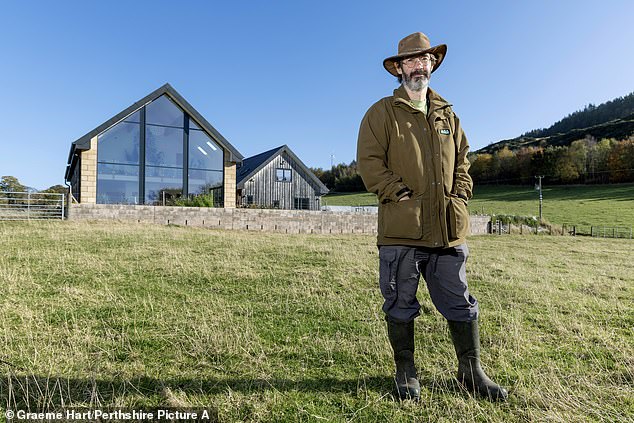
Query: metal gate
{"type": "Point", "coordinates": [31, 205]}
{"type": "Point", "coordinates": [611, 232]}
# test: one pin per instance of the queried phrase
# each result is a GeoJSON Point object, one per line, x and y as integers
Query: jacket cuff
{"type": "Point", "coordinates": [404, 192]}
{"type": "Point", "coordinates": [397, 191]}
{"type": "Point", "coordinates": [463, 195]}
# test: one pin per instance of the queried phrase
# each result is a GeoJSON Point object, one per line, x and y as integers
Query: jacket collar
{"type": "Point", "coordinates": [435, 102]}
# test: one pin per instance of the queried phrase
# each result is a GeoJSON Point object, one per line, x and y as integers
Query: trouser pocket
{"type": "Point", "coordinates": [388, 266]}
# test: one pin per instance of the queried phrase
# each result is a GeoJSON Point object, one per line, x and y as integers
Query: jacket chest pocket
{"type": "Point", "coordinates": [443, 129]}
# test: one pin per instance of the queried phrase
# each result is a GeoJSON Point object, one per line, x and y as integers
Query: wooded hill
{"type": "Point", "coordinates": [613, 119]}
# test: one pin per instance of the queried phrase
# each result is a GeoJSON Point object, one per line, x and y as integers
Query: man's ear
{"type": "Point", "coordinates": [398, 68]}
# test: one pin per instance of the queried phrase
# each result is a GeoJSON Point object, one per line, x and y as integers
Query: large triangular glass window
{"type": "Point", "coordinates": [163, 111]}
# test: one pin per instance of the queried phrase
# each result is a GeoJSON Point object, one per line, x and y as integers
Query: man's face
{"type": "Point", "coordinates": [416, 71]}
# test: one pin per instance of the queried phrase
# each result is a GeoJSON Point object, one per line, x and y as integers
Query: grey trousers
{"type": "Point", "coordinates": [444, 271]}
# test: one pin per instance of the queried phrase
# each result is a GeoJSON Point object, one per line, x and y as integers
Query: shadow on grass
{"type": "Point", "coordinates": [22, 391]}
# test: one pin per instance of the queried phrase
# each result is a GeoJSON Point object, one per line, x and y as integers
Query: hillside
{"type": "Point", "coordinates": [591, 115]}
{"type": "Point", "coordinates": [617, 129]}
{"type": "Point", "coordinates": [612, 119]}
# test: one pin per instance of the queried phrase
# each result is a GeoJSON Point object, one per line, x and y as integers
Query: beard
{"type": "Point", "coordinates": [417, 80]}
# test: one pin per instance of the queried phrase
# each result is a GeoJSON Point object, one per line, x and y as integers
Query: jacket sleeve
{"type": "Point", "coordinates": [372, 158]}
{"type": "Point", "coordinates": [463, 184]}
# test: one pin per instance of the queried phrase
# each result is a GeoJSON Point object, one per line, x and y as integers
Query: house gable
{"type": "Point", "coordinates": [252, 165]}
{"type": "Point", "coordinates": [278, 179]}
{"type": "Point", "coordinates": [83, 143]}
{"type": "Point", "coordinates": [159, 148]}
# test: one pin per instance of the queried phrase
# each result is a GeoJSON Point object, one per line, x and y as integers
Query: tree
{"type": "Point", "coordinates": [56, 189]}
{"type": "Point", "coordinates": [621, 161]}
{"type": "Point", "coordinates": [524, 164]}
{"type": "Point", "coordinates": [565, 169]}
{"type": "Point", "coordinates": [325, 176]}
{"type": "Point", "coordinates": [341, 178]}
{"type": "Point", "coordinates": [547, 163]}
{"type": "Point", "coordinates": [503, 165]}
{"type": "Point", "coordinates": [11, 183]}
{"type": "Point", "coordinates": [618, 108]}
{"type": "Point", "coordinates": [480, 169]}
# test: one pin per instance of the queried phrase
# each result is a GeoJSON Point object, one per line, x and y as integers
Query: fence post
{"type": "Point", "coordinates": [28, 205]}
{"type": "Point", "coordinates": [63, 204]}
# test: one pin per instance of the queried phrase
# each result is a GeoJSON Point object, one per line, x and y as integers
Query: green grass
{"type": "Point", "coordinates": [609, 205]}
{"type": "Point", "coordinates": [272, 327]}
{"type": "Point", "coordinates": [585, 205]}
{"type": "Point", "coordinates": [350, 199]}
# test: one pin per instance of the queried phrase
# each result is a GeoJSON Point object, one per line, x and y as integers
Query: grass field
{"type": "Point", "coordinates": [609, 205]}
{"type": "Point", "coordinates": [272, 327]}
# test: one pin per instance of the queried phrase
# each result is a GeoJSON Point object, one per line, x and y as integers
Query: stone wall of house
{"type": "Point", "coordinates": [230, 184]}
{"type": "Point", "coordinates": [285, 221]}
{"type": "Point", "coordinates": [88, 181]}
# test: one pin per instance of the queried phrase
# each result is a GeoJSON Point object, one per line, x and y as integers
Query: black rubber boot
{"type": "Point", "coordinates": [466, 341]}
{"type": "Point", "coordinates": [402, 340]}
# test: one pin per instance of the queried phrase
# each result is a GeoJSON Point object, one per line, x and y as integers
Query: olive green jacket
{"type": "Point", "coordinates": [401, 151]}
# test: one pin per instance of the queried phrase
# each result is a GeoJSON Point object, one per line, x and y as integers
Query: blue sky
{"type": "Point", "coordinates": [267, 73]}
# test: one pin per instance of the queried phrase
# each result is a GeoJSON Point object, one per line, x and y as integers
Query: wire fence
{"type": "Point", "coordinates": [611, 232]}
{"type": "Point", "coordinates": [32, 206]}
{"type": "Point", "coordinates": [498, 227]}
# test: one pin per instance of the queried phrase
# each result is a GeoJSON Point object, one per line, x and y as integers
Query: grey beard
{"type": "Point", "coordinates": [416, 85]}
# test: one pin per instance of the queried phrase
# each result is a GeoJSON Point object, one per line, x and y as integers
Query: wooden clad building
{"type": "Point", "coordinates": [278, 179]}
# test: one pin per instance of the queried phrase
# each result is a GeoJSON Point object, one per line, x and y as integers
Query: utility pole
{"type": "Point", "coordinates": [539, 187]}
{"type": "Point", "coordinates": [332, 161]}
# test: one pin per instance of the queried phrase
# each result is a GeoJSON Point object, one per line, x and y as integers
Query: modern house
{"type": "Point", "coordinates": [278, 179]}
{"type": "Point", "coordinates": [157, 149]}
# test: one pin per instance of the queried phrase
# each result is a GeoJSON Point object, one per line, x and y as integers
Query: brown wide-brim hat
{"type": "Point", "coordinates": [414, 45]}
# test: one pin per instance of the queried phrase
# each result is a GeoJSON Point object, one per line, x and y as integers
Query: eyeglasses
{"type": "Point", "coordinates": [425, 60]}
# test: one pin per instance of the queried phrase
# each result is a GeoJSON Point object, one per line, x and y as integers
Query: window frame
{"type": "Point", "coordinates": [284, 171]}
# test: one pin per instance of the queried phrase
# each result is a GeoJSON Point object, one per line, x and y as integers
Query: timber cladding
{"type": "Point", "coordinates": [282, 184]}
{"type": "Point", "coordinates": [285, 221]}
{"type": "Point", "coordinates": [278, 179]}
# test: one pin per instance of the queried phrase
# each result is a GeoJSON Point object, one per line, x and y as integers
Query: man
{"type": "Point", "coordinates": [412, 153]}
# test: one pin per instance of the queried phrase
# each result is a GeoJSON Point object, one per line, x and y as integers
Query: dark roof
{"type": "Point", "coordinates": [83, 143]}
{"type": "Point", "coordinates": [252, 165]}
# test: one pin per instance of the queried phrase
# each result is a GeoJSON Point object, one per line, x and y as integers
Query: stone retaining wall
{"type": "Point", "coordinates": [286, 221]}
